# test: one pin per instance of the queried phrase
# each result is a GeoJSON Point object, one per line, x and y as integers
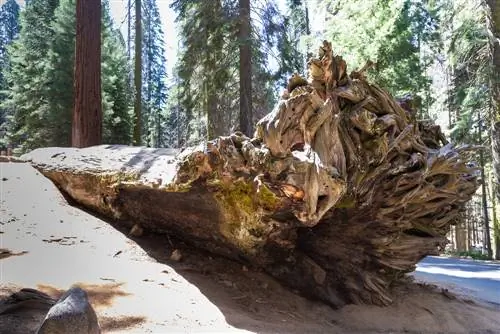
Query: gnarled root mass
{"type": "Point", "coordinates": [340, 192]}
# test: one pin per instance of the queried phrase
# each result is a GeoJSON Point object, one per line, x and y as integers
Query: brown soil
{"type": "Point", "coordinates": [136, 288]}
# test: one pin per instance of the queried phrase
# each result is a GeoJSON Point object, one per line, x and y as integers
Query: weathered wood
{"type": "Point", "coordinates": [339, 194]}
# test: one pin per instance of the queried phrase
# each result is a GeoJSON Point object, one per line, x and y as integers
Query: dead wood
{"type": "Point", "coordinates": [339, 194]}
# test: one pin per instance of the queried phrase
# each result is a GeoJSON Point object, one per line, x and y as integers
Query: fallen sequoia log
{"type": "Point", "coordinates": [338, 195]}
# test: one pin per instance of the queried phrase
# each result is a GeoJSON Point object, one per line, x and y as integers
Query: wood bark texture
{"type": "Point", "coordinates": [340, 192]}
{"type": "Point", "coordinates": [87, 112]}
{"type": "Point", "coordinates": [494, 30]}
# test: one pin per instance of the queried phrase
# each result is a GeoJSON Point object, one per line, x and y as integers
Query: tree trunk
{"type": "Point", "coordinates": [484, 204]}
{"type": "Point", "coordinates": [149, 103]}
{"type": "Point", "coordinates": [494, 29]}
{"type": "Point", "coordinates": [339, 194]}
{"type": "Point", "coordinates": [138, 74]}
{"type": "Point", "coordinates": [496, 223]}
{"type": "Point", "coordinates": [246, 112]}
{"type": "Point", "coordinates": [129, 29]}
{"type": "Point", "coordinates": [308, 31]}
{"type": "Point", "coordinates": [87, 112]}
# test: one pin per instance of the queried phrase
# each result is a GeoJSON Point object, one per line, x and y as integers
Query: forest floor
{"type": "Point", "coordinates": [49, 244]}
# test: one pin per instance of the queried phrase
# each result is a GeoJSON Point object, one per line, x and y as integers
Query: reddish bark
{"type": "Point", "coordinates": [87, 109]}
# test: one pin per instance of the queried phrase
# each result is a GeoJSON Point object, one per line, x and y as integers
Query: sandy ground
{"type": "Point", "coordinates": [135, 288]}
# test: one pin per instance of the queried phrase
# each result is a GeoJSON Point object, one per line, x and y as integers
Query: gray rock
{"type": "Point", "coordinates": [71, 314]}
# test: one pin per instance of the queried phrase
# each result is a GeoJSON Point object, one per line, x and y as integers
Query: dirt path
{"type": "Point", "coordinates": [135, 288]}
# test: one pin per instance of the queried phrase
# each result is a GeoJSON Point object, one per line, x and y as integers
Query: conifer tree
{"type": "Point", "coordinates": [9, 28]}
{"type": "Point", "coordinates": [24, 76]}
{"type": "Point", "coordinates": [137, 136]}
{"type": "Point", "coordinates": [57, 75]}
{"type": "Point", "coordinates": [116, 89]}
{"type": "Point", "coordinates": [154, 90]}
{"type": "Point", "coordinates": [209, 64]}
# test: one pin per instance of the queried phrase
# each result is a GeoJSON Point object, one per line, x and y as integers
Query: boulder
{"type": "Point", "coordinates": [71, 314]}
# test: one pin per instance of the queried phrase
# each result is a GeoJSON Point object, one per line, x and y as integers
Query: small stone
{"type": "Point", "coordinates": [136, 231]}
{"type": "Point", "coordinates": [244, 268]}
{"type": "Point", "coordinates": [176, 255]}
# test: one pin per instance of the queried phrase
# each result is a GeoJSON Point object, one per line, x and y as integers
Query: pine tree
{"type": "Point", "coordinates": [392, 34]}
{"type": "Point", "coordinates": [116, 89]}
{"type": "Point", "coordinates": [154, 76]}
{"type": "Point", "coordinates": [57, 76]}
{"type": "Point", "coordinates": [205, 63]}
{"type": "Point", "coordinates": [9, 29]}
{"type": "Point", "coordinates": [245, 48]}
{"type": "Point", "coordinates": [27, 89]}
{"type": "Point", "coordinates": [209, 64]}
{"type": "Point", "coordinates": [137, 137]}
{"type": "Point", "coordinates": [294, 30]}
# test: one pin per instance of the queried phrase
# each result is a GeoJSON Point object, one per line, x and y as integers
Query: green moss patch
{"type": "Point", "coordinates": [243, 209]}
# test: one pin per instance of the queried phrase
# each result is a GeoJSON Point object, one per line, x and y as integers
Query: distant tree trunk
{"type": "Point", "coordinates": [138, 74]}
{"type": "Point", "coordinates": [246, 115]}
{"type": "Point", "coordinates": [494, 29]}
{"type": "Point", "coordinates": [87, 111]}
{"type": "Point", "coordinates": [308, 31]}
{"type": "Point", "coordinates": [496, 223]}
{"type": "Point", "coordinates": [129, 28]}
{"type": "Point", "coordinates": [213, 59]}
{"type": "Point", "coordinates": [149, 104]}
{"type": "Point", "coordinates": [484, 203]}
{"type": "Point", "coordinates": [461, 236]}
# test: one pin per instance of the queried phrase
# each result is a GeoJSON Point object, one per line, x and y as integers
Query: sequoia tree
{"type": "Point", "coordinates": [339, 193]}
{"type": "Point", "coordinates": [87, 112]}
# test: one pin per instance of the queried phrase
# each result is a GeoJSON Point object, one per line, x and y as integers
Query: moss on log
{"type": "Point", "coordinates": [338, 195]}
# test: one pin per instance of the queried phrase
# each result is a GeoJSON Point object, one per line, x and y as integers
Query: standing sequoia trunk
{"type": "Point", "coordinates": [87, 112]}
{"type": "Point", "coordinates": [245, 39]}
{"type": "Point", "coordinates": [138, 74]}
{"type": "Point", "coordinates": [339, 194]}
{"type": "Point", "coordinates": [494, 29]}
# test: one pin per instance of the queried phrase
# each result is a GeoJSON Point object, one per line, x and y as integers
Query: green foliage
{"type": "Point", "coordinates": [293, 32]}
{"type": "Point", "coordinates": [40, 99]}
{"type": "Point", "coordinates": [9, 28]}
{"type": "Point", "coordinates": [469, 95]}
{"type": "Point", "coordinates": [116, 89]}
{"type": "Point", "coordinates": [58, 77]}
{"type": "Point", "coordinates": [208, 65]}
{"type": "Point", "coordinates": [400, 36]}
{"type": "Point", "coordinates": [27, 89]}
{"type": "Point", "coordinates": [473, 254]}
{"type": "Point", "coordinates": [154, 75]}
